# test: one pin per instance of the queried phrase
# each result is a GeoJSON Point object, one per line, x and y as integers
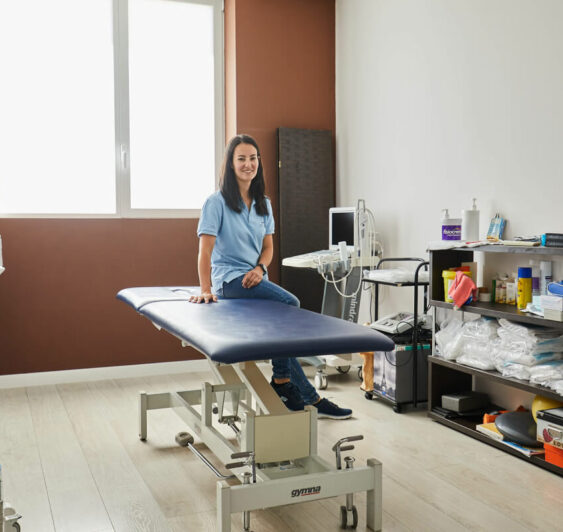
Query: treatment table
{"type": "Point", "coordinates": [276, 448]}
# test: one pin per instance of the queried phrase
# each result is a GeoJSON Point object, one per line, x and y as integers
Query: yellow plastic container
{"type": "Point", "coordinates": [524, 287]}
{"type": "Point", "coordinates": [524, 293]}
{"type": "Point", "coordinates": [449, 276]}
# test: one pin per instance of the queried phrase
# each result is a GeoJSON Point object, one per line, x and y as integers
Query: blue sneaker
{"type": "Point", "coordinates": [327, 409]}
{"type": "Point", "coordinates": [289, 394]}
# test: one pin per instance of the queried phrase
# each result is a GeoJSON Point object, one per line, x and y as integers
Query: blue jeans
{"type": "Point", "coordinates": [283, 368]}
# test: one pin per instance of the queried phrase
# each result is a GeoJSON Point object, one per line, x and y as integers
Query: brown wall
{"type": "Point", "coordinates": [57, 297]}
{"type": "Point", "coordinates": [284, 74]}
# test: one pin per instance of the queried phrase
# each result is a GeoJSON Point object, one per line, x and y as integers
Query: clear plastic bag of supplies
{"type": "Point", "coordinates": [476, 358]}
{"type": "Point", "coordinates": [536, 339]}
{"type": "Point", "coordinates": [545, 373]}
{"type": "Point", "coordinates": [528, 330]}
{"type": "Point", "coordinates": [482, 329]}
{"type": "Point", "coordinates": [549, 345]}
{"type": "Point", "coordinates": [448, 339]}
{"type": "Point", "coordinates": [557, 386]}
{"type": "Point", "coordinates": [475, 343]}
{"type": "Point", "coordinates": [471, 338]}
{"type": "Point", "coordinates": [517, 371]}
{"type": "Point", "coordinates": [503, 354]}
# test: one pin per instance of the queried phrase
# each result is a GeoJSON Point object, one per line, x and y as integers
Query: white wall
{"type": "Point", "coordinates": [439, 101]}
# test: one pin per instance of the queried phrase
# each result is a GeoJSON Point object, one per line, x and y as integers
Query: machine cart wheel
{"type": "Point", "coordinates": [344, 518]}
{"type": "Point", "coordinates": [343, 369]}
{"type": "Point", "coordinates": [321, 382]}
{"type": "Point", "coordinates": [361, 373]}
{"type": "Point", "coordinates": [10, 523]}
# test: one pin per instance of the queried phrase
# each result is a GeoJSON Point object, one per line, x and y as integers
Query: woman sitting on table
{"type": "Point", "coordinates": [235, 248]}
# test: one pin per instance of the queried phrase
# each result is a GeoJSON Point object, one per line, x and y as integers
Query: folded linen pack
{"type": "Point", "coordinates": [557, 386]}
{"type": "Point", "coordinates": [501, 355]}
{"type": "Point", "coordinates": [396, 275]}
{"type": "Point", "coordinates": [517, 371]}
{"type": "Point", "coordinates": [536, 339]}
{"type": "Point", "coordinates": [545, 373]}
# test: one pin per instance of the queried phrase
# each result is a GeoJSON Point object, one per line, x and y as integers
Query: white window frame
{"type": "Point", "coordinates": [121, 97]}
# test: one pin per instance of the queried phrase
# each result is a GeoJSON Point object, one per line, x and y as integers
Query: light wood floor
{"type": "Point", "coordinates": [72, 462]}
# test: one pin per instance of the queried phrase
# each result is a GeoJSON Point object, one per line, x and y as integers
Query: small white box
{"type": "Point", "coordinates": [552, 303]}
{"type": "Point", "coordinates": [555, 315]}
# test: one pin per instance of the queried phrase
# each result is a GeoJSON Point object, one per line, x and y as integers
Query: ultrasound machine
{"type": "Point", "coordinates": [352, 247]}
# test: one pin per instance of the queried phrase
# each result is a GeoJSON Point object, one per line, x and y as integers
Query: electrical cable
{"type": "Point", "coordinates": [420, 347]}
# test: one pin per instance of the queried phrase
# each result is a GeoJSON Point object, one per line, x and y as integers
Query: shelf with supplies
{"type": "Point", "coordinates": [407, 384]}
{"type": "Point", "coordinates": [443, 259]}
{"type": "Point", "coordinates": [450, 377]}
{"type": "Point", "coordinates": [445, 376]}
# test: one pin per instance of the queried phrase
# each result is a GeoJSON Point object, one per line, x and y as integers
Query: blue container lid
{"type": "Point", "coordinates": [524, 273]}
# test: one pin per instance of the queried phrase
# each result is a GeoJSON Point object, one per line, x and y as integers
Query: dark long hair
{"type": "Point", "coordinates": [228, 182]}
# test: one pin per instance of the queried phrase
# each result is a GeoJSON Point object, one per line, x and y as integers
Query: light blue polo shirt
{"type": "Point", "coordinates": [238, 237]}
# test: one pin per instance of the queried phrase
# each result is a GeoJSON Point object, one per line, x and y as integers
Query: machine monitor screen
{"type": "Point", "coordinates": [341, 221]}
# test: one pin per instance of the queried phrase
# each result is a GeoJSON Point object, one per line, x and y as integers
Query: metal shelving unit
{"type": "Point", "coordinates": [445, 376]}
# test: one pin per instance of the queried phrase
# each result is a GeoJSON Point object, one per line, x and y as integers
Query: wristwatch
{"type": "Point", "coordinates": [263, 266]}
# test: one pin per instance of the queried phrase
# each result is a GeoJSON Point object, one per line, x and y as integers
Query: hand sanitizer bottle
{"type": "Point", "coordinates": [451, 227]}
{"type": "Point", "coordinates": [470, 224]}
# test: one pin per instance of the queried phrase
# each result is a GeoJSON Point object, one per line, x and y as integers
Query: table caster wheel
{"type": "Point", "coordinates": [9, 519]}
{"type": "Point", "coordinates": [343, 369]}
{"type": "Point", "coordinates": [344, 518]}
{"type": "Point", "coordinates": [354, 518]}
{"type": "Point", "coordinates": [321, 382]}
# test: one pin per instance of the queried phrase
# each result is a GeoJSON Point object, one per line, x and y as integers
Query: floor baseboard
{"type": "Point", "coordinates": [95, 374]}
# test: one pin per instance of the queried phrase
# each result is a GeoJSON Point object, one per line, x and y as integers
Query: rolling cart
{"type": "Point", "coordinates": [400, 380]}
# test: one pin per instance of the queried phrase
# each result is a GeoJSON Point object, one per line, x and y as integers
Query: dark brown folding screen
{"type": "Point", "coordinates": [306, 192]}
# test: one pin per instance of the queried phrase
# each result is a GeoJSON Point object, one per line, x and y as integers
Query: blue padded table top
{"type": "Point", "coordinates": [236, 330]}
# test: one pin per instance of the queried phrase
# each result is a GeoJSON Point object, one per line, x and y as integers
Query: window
{"type": "Point", "coordinates": [109, 107]}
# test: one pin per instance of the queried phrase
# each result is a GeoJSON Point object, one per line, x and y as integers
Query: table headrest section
{"type": "Point", "coordinates": [236, 330]}
{"type": "Point", "coordinates": [140, 296]}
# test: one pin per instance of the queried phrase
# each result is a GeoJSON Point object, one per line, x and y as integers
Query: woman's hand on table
{"type": "Point", "coordinates": [204, 297]}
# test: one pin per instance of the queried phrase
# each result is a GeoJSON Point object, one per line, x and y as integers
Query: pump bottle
{"type": "Point", "coordinates": [470, 223]}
